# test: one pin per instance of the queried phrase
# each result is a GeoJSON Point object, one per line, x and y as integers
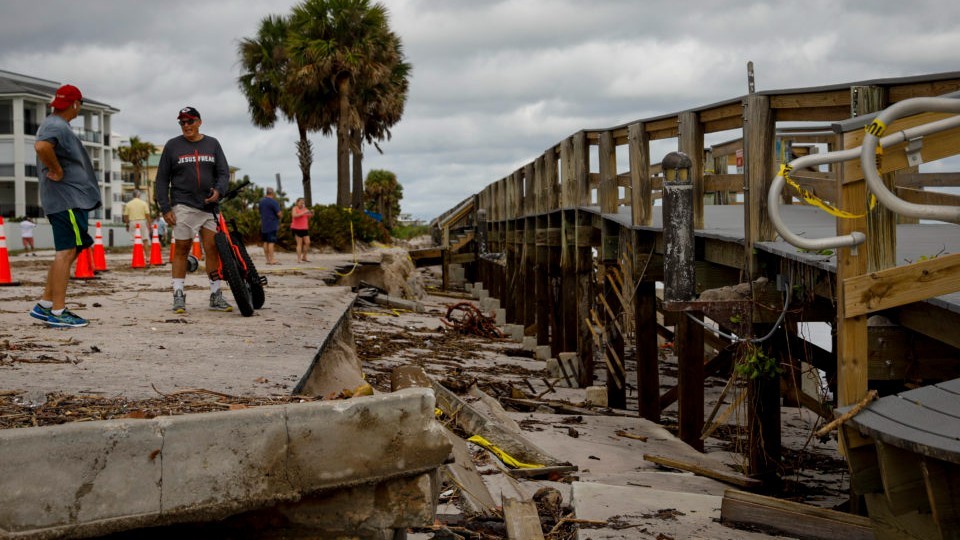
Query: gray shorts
{"type": "Point", "coordinates": [190, 221]}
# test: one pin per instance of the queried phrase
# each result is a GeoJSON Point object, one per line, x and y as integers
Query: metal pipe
{"type": "Point", "coordinates": [773, 205]}
{"type": "Point", "coordinates": [866, 154]}
{"type": "Point", "coordinates": [868, 151]}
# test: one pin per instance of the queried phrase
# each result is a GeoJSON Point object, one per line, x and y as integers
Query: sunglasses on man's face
{"type": "Point", "coordinates": [187, 122]}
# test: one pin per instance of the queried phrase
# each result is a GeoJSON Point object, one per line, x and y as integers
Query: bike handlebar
{"type": "Point", "coordinates": [233, 192]}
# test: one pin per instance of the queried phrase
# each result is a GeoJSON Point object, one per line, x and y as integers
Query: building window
{"type": "Point", "coordinates": [30, 120]}
{"type": "Point", "coordinates": [6, 117]}
{"type": "Point", "coordinates": [6, 159]}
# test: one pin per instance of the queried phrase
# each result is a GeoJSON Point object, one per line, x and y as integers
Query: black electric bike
{"type": "Point", "coordinates": [236, 266]}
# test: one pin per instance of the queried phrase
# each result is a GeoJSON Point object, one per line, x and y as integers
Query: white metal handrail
{"type": "Point", "coordinates": [868, 149]}
{"type": "Point", "coordinates": [866, 153]}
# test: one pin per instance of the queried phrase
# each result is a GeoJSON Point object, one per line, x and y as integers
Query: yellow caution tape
{"type": "Point", "coordinates": [876, 128]}
{"type": "Point", "coordinates": [506, 458]}
{"type": "Point", "coordinates": [813, 200]}
{"type": "Point", "coordinates": [437, 412]}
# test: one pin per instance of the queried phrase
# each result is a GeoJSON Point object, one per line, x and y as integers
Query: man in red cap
{"type": "Point", "coordinates": [68, 192]}
{"type": "Point", "coordinates": [191, 176]}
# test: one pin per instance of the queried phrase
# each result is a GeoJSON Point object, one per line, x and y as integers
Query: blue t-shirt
{"type": "Point", "coordinates": [78, 189]}
{"type": "Point", "coordinates": [269, 215]}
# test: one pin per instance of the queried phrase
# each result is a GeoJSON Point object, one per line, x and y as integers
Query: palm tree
{"type": "Point", "coordinates": [381, 107]}
{"type": "Point", "coordinates": [137, 153]}
{"type": "Point", "coordinates": [383, 194]}
{"type": "Point", "coordinates": [268, 83]}
{"type": "Point", "coordinates": [342, 45]}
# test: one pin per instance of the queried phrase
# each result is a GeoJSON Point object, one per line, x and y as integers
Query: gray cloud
{"type": "Point", "coordinates": [494, 83]}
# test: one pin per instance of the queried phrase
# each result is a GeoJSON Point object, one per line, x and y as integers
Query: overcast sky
{"type": "Point", "coordinates": [493, 83]}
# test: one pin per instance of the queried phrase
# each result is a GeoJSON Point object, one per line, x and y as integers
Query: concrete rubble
{"type": "Point", "coordinates": [94, 478]}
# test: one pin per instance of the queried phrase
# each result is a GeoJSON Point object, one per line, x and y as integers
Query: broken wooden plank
{"type": "Point", "coordinates": [474, 422]}
{"type": "Point", "coordinates": [475, 498]}
{"type": "Point", "coordinates": [522, 519]}
{"type": "Point", "coordinates": [551, 472]}
{"type": "Point", "coordinates": [727, 477]}
{"type": "Point", "coordinates": [792, 518]}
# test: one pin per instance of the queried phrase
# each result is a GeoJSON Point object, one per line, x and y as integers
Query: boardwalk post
{"type": "Point", "coordinates": [531, 197]}
{"type": "Point", "coordinates": [691, 144]}
{"type": "Point", "coordinates": [881, 247]}
{"type": "Point", "coordinates": [759, 132]}
{"type": "Point", "coordinates": [482, 246]}
{"type": "Point", "coordinates": [584, 295]}
{"type": "Point", "coordinates": [678, 261]}
{"type": "Point", "coordinates": [680, 286]}
{"type": "Point", "coordinates": [611, 310]}
{"type": "Point", "coordinates": [641, 192]}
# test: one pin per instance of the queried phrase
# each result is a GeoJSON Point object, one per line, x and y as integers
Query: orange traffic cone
{"type": "Point", "coordinates": [197, 252]}
{"type": "Point", "coordinates": [99, 257]}
{"type": "Point", "coordinates": [156, 258]}
{"type": "Point", "coordinates": [173, 249]}
{"type": "Point", "coordinates": [84, 269]}
{"type": "Point", "coordinates": [138, 256]}
{"type": "Point", "coordinates": [5, 279]}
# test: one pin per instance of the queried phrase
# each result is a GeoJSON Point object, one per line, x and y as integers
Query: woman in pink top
{"type": "Point", "coordinates": [300, 226]}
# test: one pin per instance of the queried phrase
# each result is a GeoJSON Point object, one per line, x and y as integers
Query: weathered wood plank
{"type": "Point", "coordinates": [901, 285]}
{"type": "Point", "coordinates": [918, 180]}
{"type": "Point", "coordinates": [521, 519]}
{"type": "Point", "coordinates": [902, 480]}
{"type": "Point", "coordinates": [918, 196]}
{"type": "Point", "coordinates": [723, 182]}
{"type": "Point", "coordinates": [792, 518]}
{"type": "Point", "coordinates": [943, 490]}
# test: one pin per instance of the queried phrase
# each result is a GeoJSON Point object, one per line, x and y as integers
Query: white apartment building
{"type": "Point", "coordinates": [24, 103]}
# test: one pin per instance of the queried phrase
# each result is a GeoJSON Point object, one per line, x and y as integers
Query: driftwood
{"type": "Point", "coordinates": [729, 478]}
{"type": "Point", "coordinates": [871, 395]}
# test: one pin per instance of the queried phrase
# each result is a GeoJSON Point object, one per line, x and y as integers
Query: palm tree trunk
{"type": "Point", "coordinates": [357, 199]}
{"type": "Point", "coordinates": [343, 144]}
{"type": "Point", "coordinates": [305, 156]}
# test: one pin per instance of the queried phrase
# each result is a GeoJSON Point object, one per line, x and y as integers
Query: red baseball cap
{"type": "Point", "coordinates": [65, 97]}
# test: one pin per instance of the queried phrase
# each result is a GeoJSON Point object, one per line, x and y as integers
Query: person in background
{"type": "Point", "coordinates": [300, 227]}
{"type": "Point", "coordinates": [137, 212]}
{"type": "Point", "coordinates": [161, 230]}
{"type": "Point", "coordinates": [68, 192]}
{"type": "Point", "coordinates": [192, 175]}
{"type": "Point", "coordinates": [26, 236]}
{"type": "Point", "coordinates": [270, 214]}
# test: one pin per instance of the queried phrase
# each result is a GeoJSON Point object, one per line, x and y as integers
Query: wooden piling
{"type": "Point", "coordinates": [680, 286]}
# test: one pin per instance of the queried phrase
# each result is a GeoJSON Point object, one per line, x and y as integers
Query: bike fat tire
{"type": "Point", "coordinates": [239, 288]}
{"type": "Point", "coordinates": [253, 278]}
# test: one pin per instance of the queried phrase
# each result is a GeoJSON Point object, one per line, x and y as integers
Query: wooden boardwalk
{"type": "Point", "coordinates": [575, 245]}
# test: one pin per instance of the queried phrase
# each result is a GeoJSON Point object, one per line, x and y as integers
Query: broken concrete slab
{"type": "Point", "coordinates": [94, 478]}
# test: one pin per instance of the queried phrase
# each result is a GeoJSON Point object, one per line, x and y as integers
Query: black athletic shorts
{"type": "Point", "coordinates": [70, 229]}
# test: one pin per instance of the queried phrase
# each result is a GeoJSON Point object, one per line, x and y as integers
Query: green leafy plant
{"type": "Point", "coordinates": [755, 363]}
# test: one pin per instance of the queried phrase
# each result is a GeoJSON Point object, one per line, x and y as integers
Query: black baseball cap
{"type": "Point", "coordinates": [189, 112]}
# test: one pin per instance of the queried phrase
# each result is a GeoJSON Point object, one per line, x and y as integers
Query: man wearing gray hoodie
{"type": "Point", "coordinates": [191, 176]}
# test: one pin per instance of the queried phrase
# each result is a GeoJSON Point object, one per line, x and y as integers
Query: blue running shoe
{"type": "Point", "coordinates": [40, 312]}
{"type": "Point", "coordinates": [66, 320]}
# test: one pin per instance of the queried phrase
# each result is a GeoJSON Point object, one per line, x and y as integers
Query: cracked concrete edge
{"type": "Point", "coordinates": [99, 477]}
